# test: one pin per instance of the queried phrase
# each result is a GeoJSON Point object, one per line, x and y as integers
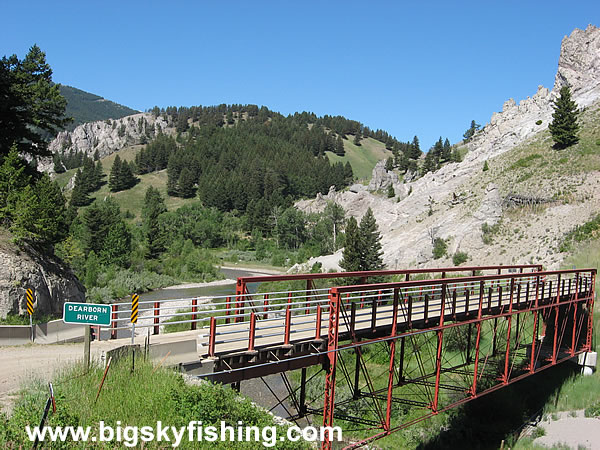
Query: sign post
{"type": "Point", "coordinates": [87, 314]}
{"type": "Point", "coordinates": [29, 295]}
{"type": "Point", "coordinates": [135, 300]}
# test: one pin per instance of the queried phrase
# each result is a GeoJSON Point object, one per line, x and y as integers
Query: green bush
{"type": "Point", "coordinates": [459, 258]}
{"type": "Point", "coordinates": [439, 248]}
{"type": "Point", "coordinates": [539, 122]}
{"type": "Point", "coordinates": [485, 166]}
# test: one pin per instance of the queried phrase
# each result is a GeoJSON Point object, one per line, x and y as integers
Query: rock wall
{"type": "Point", "coordinates": [106, 136]}
{"type": "Point", "coordinates": [52, 283]}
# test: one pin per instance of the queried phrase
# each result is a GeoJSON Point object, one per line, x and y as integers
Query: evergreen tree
{"type": "Point", "coordinates": [351, 256]}
{"type": "Point", "coordinates": [471, 131]}
{"type": "Point", "coordinates": [389, 164]}
{"type": "Point", "coordinates": [414, 149]}
{"type": "Point", "coordinates": [357, 138]}
{"type": "Point", "coordinates": [98, 175]}
{"type": "Point", "coordinates": [117, 245]}
{"type": "Point", "coordinates": [186, 182]}
{"type": "Point", "coordinates": [127, 179]}
{"type": "Point", "coordinates": [13, 179]}
{"type": "Point", "coordinates": [154, 206]}
{"type": "Point", "coordinates": [371, 254]}
{"type": "Point", "coordinates": [30, 104]}
{"type": "Point", "coordinates": [42, 213]}
{"type": "Point", "coordinates": [114, 179]}
{"type": "Point", "coordinates": [564, 126]}
{"type": "Point", "coordinates": [447, 151]}
{"type": "Point", "coordinates": [339, 146]}
{"type": "Point", "coordinates": [79, 194]}
{"type": "Point", "coordinates": [390, 191]}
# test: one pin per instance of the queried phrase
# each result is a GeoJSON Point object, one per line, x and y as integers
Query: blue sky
{"type": "Point", "coordinates": [412, 68]}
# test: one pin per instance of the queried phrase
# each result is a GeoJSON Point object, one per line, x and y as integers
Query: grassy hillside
{"type": "Point", "coordinates": [130, 199]}
{"type": "Point", "coordinates": [536, 168]}
{"type": "Point", "coordinates": [362, 158]}
{"type": "Point", "coordinates": [86, 107]}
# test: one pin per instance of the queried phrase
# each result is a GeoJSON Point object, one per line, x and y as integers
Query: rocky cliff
{"type": "Point", "coordinates": [52, 283]}
{"type": "Point", "coordinates": [454, 202]}
{"type": "Point", "coordinates": [106, 136]}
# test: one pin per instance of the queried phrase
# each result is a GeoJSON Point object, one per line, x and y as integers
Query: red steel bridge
{"type": "Point", "coordinates": [380, 344]}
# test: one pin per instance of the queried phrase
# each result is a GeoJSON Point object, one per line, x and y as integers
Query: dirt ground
{"type": "Point", "coordinates": [21, 364]}
{"type": "Point", "coordinates": [575, 432]}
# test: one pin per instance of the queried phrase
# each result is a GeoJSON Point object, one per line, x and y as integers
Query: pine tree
{"type": "Point", "coordinates": [357, 138]}
{"type": "Point", "coordinates": [371, 254]}
{"type": "Point", "coordinates": [564, 126]}
{"type": "Point", "coordinates": [339, 146]}
{"type": "Point", "coordinates": [186, 183]}
{"type": "Point", "coordinates": [471, 131]}
{"type": "Point", "coordinates": [351, 256]}
{"type": "Point", "coordinates": [154, 206]}
{"type": "Point", "coordinates": [447, 151]}
{"type": "Point", "coordinates": [114, 179]}
{"type": "Point", "coordinates": [390, 191]}
{"type": "Point", "coordinates": [79, 194]}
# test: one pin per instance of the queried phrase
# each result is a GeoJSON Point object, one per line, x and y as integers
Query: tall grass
{"type": "Point", "coordinates": [138, 398]}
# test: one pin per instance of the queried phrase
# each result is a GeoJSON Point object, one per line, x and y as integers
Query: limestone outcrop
{"type": "Point", "coordinates": [52, 282]}
{"type": "Point", "coordinates": [106, 136]}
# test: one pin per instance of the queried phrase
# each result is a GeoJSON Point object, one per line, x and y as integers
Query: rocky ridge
{"type": "Point", "coordinates": [52, 283]}
{"type": "Point", "coordinates": [445, 204]}
{"type": "Point", "coordinates": [106, 136]}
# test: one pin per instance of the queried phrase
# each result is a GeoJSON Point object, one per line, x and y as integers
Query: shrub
{"type": "Point", "coordinates": [439, 248]}
{"type": "Point", "coordinates": [460, 258]}
{"type": "Point", "coordinates": [539, 122]}
{"type": "Point", "coordinates": [485, 166]}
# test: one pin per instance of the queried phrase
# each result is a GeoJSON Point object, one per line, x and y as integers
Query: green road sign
{"type": "Point", "coordinates": [86, 313]}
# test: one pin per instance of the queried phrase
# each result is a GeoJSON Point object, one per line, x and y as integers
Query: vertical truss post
{"type": "Point", "coordinates": [556, 311]}
{"type": "Point", "coordinates": [468, 356]}
{"type": "Point", "coordinates": [592, 293]}
{"type": "Point", "coordinates": [535, 324]}
{"type": "Point", "coordinates": [477, 340]}
{"type": "Point", "coordinates": [401, 363]}
{"type": "Point", "coordinates": [438, 359]}
{"type": "Point", "coordinates": [353, 320]}
{"type": "Point", "coordinates": [573, 343]}
{"type": "Point", "coordinates": [507, 355]}
{"type": "Point", "coordinates": [302, 409]}
{"type": "Point", "coordinates": [356, 390]}
{"type": "Point", "coordinates": [332, 354]}
{"type": "Point", "coordinates": [388, 411]}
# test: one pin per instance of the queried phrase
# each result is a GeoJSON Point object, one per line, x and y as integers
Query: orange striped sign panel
{"type": "Point", "coordinates": [29, 295]}
{"type": "Point", "coordinates": [134, 307]}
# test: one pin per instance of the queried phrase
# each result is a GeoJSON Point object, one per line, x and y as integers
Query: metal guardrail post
{"type": "Point", "coordinates": [227, 308]}
{"type": "Point", "coordinates": [156, 329]}
{"type": "Point", "coordinates": [212, 338]}
{"type": "Point", "coordinates": [194, 311]}
{"type": "Point", "coordinates": [252, 332]}
{"type": "Point", "coordinates": [288, 324]}
{"type": "Point", "coordinates": [318, 324]}
{"type": "Point", "coordinates": [115, 314]}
